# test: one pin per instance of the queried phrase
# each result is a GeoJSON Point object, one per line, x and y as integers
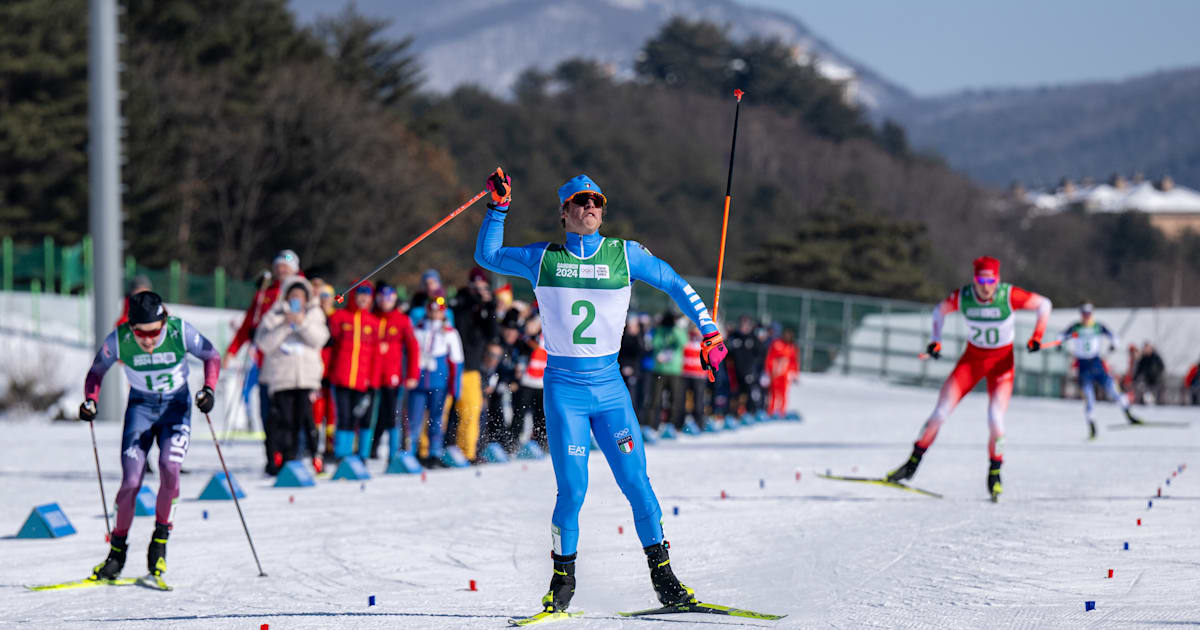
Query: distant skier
{"type": "Point", "coordinates": [153, 346]}
{"type": "Point", "coordinates": [988, 305]}
{"type": "Point", "coordinates": [583, 289]}
{"type": "Point", "coordinates": [1087, 339]}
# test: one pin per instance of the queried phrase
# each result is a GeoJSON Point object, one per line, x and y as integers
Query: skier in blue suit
{"type": "Point", "coordinates": [1087, 340]}
{"type": "Point", "coordinates": [583, 288]}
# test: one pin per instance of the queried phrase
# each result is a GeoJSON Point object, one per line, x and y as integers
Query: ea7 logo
{"type": "Point", "coordinates": [577, 450]}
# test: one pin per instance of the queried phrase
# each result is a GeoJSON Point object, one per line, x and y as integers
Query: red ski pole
{"type": "Point", "coordinates": [436, 226]}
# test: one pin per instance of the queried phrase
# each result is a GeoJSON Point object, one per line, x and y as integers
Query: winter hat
{"type": "Point", "coordinates": [987, 267]}
{"type": "Point", "coordinates": [365, 287]}
{"type": "Point", "coordinates": [296, 281]}
{"type": "Point", "coordinates": [576, 185]}
{"type": "Point", "coordinates": [431, 273]}
{"type": "Point", "coordinates": [1086, 308]}
{"type": "Point", "coordinates": [146, 308]}
{"type": "Point", "coordinates": [287, 257]}
{"type": "Point", "coordinates": [477, 274]}
{"type": "Point", "coordinates": [386, 289]}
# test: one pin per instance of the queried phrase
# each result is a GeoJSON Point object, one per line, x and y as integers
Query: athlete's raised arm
{"type": "Point", "coordinates": [490, 252]}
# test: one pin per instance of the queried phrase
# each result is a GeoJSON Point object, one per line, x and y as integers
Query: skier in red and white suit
{"type": "Point", "coordinates": [989, 307]}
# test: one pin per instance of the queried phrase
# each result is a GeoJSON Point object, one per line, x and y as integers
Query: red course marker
{"type": "Point", "coordinates": [471, 586]}
{"type": "Point", "coordinates": [1110, 573]}
{"type": "Point", "coordinates": [1139, 522]}
{"type": "Point", "coordinates": [620, 529]}
{"type": "Point", "coordinates": [723, 495]}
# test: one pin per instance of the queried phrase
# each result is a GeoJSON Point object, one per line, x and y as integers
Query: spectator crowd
{"type": "Point", "coordinates": [454, 376]}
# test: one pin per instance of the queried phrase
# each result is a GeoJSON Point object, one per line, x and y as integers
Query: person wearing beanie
{"type": "Point", "coordinates": [441, 370]}
{"type": "Point", "coordinates": [989, 307]}
{"type": "Point", "coordinates": [139, 284]}
{"type": "Point", "coordinates": [291, 336]}
{"type": "Point", "coordinates": [356, 334]}
{"type": "Point", "coordinates": [1088, 339]}
{"type": "Point", "coordinates": [473, 312]}
{"type": "Point", "coordinates": [398, 369]}
{"type": "Point", "coordinates": [583, 287]}
{"type": "Point", "coordinates": [286, 263]}
{"type": "Point", "coordinates": [153, 347]}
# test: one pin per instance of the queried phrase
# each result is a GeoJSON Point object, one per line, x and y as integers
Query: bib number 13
{"type": "Point", "coordinates": [588, 310]}
{"type": "Point", "coordinates": [991, 336]}
{"type": "Point", "coordinates": [165, 383]}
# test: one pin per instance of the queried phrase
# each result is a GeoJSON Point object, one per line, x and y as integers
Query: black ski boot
{"type": "Point", "coordinates": [1091, 430]}
{"type": "Point", "coordinates": [562, 584]}
{"type": "Point", "coordinates": [156, 555]}
{"type": "Point", "coordinates": [993, 480]}
{"type": "Point", "coordinates": [1132, 418]}
{"type": "Point", "coordinates": [110, 569]}
{"type": "Point", "coordinates": [908, 468]}
{"type": "Point", "coordinates": [666, 585]}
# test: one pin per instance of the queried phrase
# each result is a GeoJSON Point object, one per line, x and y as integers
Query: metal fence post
{"type": "Point", "coordinates": [219, 287]}
{"type": "Point", "coordinates": [88, 262]}
{"type": "Point", "coordinates": [809, 331]}
{"type": "Point", "coordinates": [35, 291]}
{"type": "Point", "coordinates": [846, 306]}
{"type": "Point", "coordinates": [48, 263]}
{"type": "Point", "coordinates": [762, 303]}
{"type": "Point", "coordinates": [173, 284]}
{"type": "Point", "coordinates": [7, 254]}
{"type": "Point", "coordinates": [883, 353]}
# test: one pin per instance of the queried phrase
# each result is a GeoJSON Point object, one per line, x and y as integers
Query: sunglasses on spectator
{"type": "Point", "coordinates": [581, 199]}
{"type": "Point", "coordinates": [147, 334]}
{"type": "Point", "coordinates": [985, 280]}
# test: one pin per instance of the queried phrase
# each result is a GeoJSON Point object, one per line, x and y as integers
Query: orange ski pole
{"type": "Point", "coordinates": [436, 226]}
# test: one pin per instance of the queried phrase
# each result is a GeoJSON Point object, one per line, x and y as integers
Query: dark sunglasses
{"type": "Point", "coordinates": [581, 199]}
{"type": "Point", "coordinates": [147, 334]}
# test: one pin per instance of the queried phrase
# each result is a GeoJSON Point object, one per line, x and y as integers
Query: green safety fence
{"type": "Point", "coordinates": [825, 323]}
{"type": "Point", "coordinates": [67, 269]}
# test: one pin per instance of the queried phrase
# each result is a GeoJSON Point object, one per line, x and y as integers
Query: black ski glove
{"type": "Point", "coordinates": [205, 399]}
{"type": "Point", "coordinates": [87, 410]}
{"type": "Point", "coordinates": [934, 349]}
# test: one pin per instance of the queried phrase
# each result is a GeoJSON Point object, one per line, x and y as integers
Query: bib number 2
{"type": "Point", "coordinates": [588, 310]}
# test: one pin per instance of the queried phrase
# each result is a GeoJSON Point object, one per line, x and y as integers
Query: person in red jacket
{"type": "Point", "coordinates": [355, 333]}
{"type": "Point", "coordinates": [783, 368]}
{"type": "Point", "coordinates": [398, 367]}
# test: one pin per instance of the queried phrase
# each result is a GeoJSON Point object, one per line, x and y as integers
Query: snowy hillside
{"type": "Point", "coordinates": [489, 42]}
{"type": "Point", "coordinates": [828, 554]}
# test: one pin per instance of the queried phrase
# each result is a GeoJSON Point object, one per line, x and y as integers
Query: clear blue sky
{"type": "Point", "coordinates": [937, 46]}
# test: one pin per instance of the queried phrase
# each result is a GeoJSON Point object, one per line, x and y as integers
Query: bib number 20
{"type": "Point", "coordinates": [588, 310]}
{"type": "Point", "coordinates": [991, 336]}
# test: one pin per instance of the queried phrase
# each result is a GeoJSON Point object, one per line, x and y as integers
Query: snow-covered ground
{"type": "Point", "coordinates": [826, 553]}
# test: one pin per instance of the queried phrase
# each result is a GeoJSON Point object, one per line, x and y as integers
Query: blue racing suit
{"type": "Point", "coordinates": [586, 394]}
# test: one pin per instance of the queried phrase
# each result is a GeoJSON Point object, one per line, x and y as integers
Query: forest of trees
{"type": "Point", "coordinates": [247, 133]}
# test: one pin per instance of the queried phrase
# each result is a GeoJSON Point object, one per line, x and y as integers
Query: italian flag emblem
{"type": "Point", "coordinates": [625, 444]}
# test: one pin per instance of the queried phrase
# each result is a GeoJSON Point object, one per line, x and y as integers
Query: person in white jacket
{"type": "Point", "coordinates": [290, 336]}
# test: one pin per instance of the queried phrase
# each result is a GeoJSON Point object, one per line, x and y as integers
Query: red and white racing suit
{"type": "Point", "coordinates": [989, 355]}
